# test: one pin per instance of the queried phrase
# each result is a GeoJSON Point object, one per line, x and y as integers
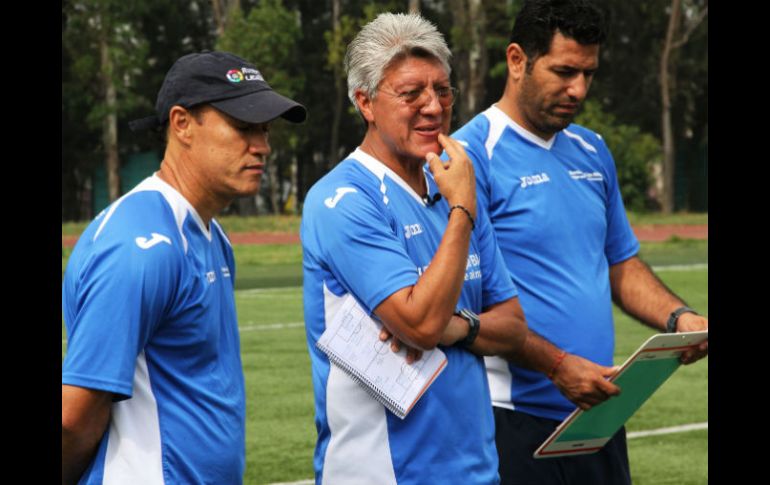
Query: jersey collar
{"type": "Point", "coordinates": [499, 115]}
{"type": "Point", "coordinates": [379, 169]}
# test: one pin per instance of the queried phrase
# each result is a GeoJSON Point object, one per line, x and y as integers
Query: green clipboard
{"type": "Point", "coordinates": [584, 432]}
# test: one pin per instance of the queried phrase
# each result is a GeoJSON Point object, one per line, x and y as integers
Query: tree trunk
{"type": "Point", "coordinates": [273, 187]}
{"type": "Point", "coordinates": [339, 93]}
{"type": "Point", "coordinates": [666, 80]}
{"type": "Point", "coordinates": [221, 9]}
{"type": "Point", "coordinates": [216, 8]}
{"type": "Point", "coordinates": [110, 122]}
{"type": "Point", "coordinates": [478, 59]}
{"type": "Point", "coordinates": [292, 205]}
{"type": "Point", "coordinates": [470, 56]}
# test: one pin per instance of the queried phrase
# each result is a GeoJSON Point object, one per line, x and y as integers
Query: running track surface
{"type": "Point", "coordinates": [643, 233]}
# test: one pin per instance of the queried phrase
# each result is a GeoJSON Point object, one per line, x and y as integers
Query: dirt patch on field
{"type": "Point", "coordinates": [643, 233]}
{"type": "Point", "coordinates": [663, 233]}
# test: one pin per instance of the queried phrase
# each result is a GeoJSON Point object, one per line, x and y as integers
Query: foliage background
{"type": "Point", "coordinates": [298, 45]}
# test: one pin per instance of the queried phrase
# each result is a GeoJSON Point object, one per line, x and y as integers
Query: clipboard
{"type": "Point", "coordinates": [585, 432]}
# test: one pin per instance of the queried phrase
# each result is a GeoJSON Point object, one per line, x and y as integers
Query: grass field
{"type": "Point", "coordinates": [280, 431]}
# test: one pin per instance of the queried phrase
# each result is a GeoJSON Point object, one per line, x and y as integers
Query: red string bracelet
{"type": "Point", "coordinates": [556, 364]}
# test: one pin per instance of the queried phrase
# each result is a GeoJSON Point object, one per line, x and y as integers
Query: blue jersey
{"type": "Point", "coordinates": [150, 315]}
{"type": "Point", "coordinates": [560, 223]}
{"type": "Point", "coordinates": [366, 232]}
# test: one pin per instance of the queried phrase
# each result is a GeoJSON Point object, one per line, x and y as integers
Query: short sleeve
{"type": "Point", "coordinates": [114, 296]}
{"type": "Point", "coordinates": [354, 238]}
{"type": "Point", "coordinates": [621, 243]}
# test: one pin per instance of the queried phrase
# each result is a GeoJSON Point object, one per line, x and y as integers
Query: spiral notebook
{"type": "Point", "coordinates": [351, 341]}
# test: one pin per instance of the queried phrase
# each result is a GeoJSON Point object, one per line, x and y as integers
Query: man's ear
{"type": "Point", "coordinates": [364, 103]}
{"type": "Point", "coordinates": [517, 61]}
{"type": "Point", "coordinates": [180, 122]}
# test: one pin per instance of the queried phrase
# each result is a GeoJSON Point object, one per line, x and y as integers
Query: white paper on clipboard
{"type": "Point", "coordinates": [584, 432]}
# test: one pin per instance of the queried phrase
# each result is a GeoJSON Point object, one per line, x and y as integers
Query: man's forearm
{"type": "Point", "coordinates": [76, 453]}
{"type": "Point", "coordinates": [535, 353]}
{"type": "Point", "coordinates": [85, 416]}
{"type": "Point", "coordinates": [418, 315]}
{"type": "Point", "coordinates": [641, 294]}
{"type": "Point", "coordinates": [504, 332]}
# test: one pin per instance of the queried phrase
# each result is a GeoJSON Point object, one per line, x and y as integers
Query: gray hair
{"type": "Point", "coordinates": [385, 39]}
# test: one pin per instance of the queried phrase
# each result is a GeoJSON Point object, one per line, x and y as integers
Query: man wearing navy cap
{"type": "Point", "coordinates": [152, 383]}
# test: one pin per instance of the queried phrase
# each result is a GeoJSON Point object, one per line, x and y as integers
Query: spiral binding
{"type": "Point", "coordinates": [370, 387]}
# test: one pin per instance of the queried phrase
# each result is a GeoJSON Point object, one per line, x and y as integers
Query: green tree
{"type": "Point", "coordinates": [164, 31]}
{"type": "Point", "coordinates": [636, 153]}
{"type": "Point", "coordinates": [681, 25]}
{"type": "Point", "coordinates": [469, 55]}
{"type": "Point", "coordinates": [344, 29]}
{"type": "Point", "coordinates": [628, 82]}
{"type": "Point", "coordinates": [106, 52]}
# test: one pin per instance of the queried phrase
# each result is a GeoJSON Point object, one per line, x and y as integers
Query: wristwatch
{"type": "Point", "coordinates": [473, 326]}
{"type": "Point", "coordinates": [672, 319]}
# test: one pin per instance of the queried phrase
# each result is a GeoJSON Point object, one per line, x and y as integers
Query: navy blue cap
{"type": "Point", "coordinates": [225, 81]}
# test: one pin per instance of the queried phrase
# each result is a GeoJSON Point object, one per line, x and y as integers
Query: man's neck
{"type": "Point", "coordinates": [507, 105]}
{"type": "Point", "coordinates": [173, 171]}
{"type": "Point", "coordinates": [410, 170]}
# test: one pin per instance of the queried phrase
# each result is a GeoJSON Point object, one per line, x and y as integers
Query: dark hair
{"type": "Point", "coordinates": [538, 21]}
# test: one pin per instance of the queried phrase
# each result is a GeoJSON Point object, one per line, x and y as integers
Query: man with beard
{"type": "Point", "coordinates": [552, 194]}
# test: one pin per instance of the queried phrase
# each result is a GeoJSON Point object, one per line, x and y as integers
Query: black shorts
{"type": "Point", "coordinates": [518, 435]}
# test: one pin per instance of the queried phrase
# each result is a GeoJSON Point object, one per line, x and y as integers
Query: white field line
{"type": "Point", "coordinates": [279, 326]}
{"type": "Point", "coordinates": [681, 267]}
{"type": "Point", "coordinates": [271, 326]}
{"type": "Point", "coordinates": [251, 327]}
{"type": "Point", "coordinates": [267, 291]}
{"type": "Point", "coordinates": [673, 429]}
{"type": "Point", "coordinates": [636, 434]}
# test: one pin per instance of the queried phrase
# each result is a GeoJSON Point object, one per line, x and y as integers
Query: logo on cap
{"type": "Point", "coordinates": [246, 73]}
{"type": "Point", "coordinates": [252, 74]}
{"type": "Point", "coordinates": [234, 75]}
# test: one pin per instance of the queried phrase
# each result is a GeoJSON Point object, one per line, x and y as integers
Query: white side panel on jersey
{"type": "Point", "coordinates": [500, 378]}
{"type": "Point", "coordinates": [133, 451]}
{"type": "Point", "coordinates": [359, 449]}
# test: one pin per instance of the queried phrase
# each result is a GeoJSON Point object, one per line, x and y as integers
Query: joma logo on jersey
{"type": "Point", "coordinates": [331, 202]}
{"type": "Point", "coordinates": [412, 230]}
{"type": "Point", "coordinates": [534, 179]}
{"type": "Point", "coordinates": [145, 243]}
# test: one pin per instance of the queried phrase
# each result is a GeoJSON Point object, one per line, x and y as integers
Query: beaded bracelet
{"type": "Point", "coordinates": [467, 212]}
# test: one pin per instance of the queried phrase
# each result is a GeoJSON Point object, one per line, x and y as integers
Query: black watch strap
{"type": "Point", "coordinates": [672, 319]}
{"type": "Point", "coordinates": [473, 326]}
